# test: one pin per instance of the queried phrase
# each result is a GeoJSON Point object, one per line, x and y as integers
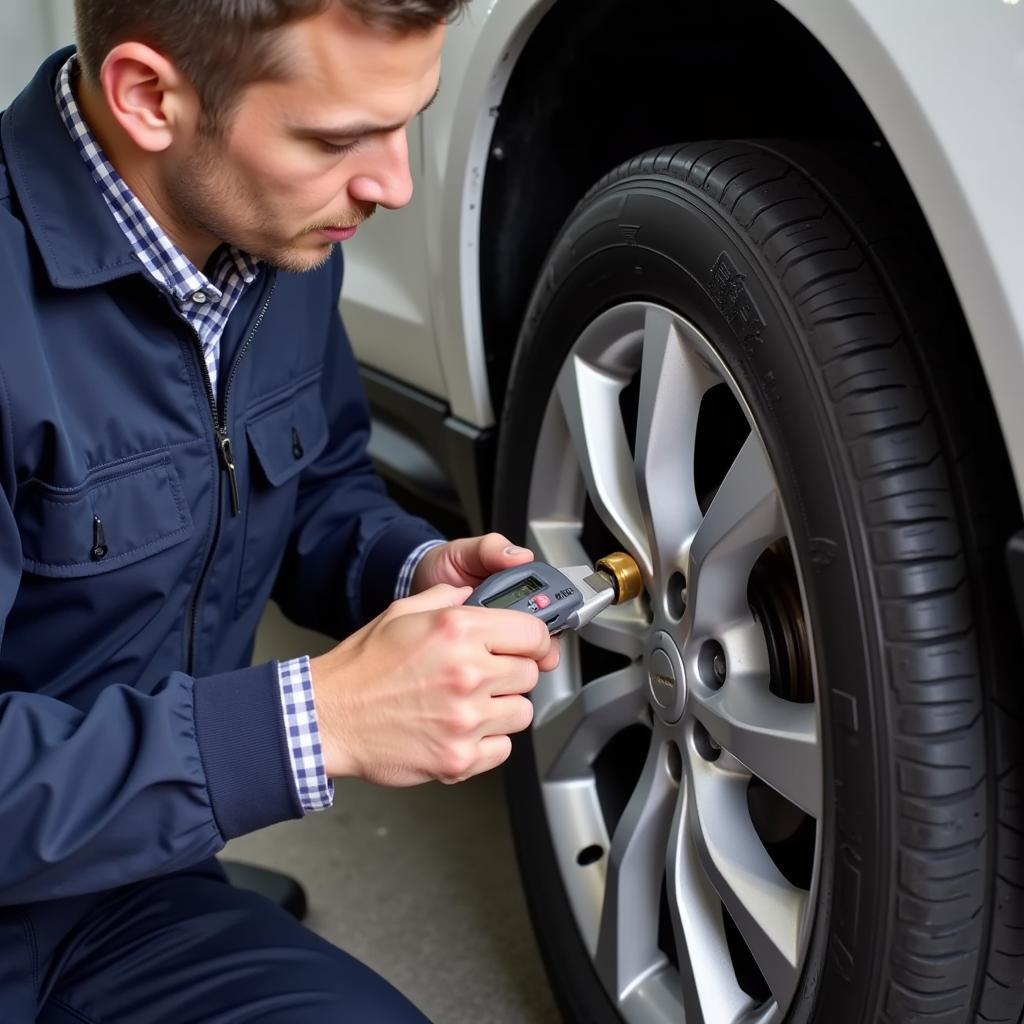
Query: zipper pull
{"type": "Point", "coordinates": [227, 457]}
{"type": "Point", "coordinates": [99, 539]}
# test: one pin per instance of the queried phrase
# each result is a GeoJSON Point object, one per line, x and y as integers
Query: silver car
{"type": "Point", "coordinates": [739, 289]}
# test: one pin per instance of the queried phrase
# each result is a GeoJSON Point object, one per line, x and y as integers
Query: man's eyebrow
{"type": "Point", "coordinates": [357, 129]}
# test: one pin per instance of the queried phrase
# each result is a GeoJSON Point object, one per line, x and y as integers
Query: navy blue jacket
{"type": "Point", "coordinates": [133, 738]}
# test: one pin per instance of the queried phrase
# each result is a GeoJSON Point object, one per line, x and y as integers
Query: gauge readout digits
{"type": "Point", "coordinates": [538, 589]}
{"type": "Point", "coordinates": [509, 597]}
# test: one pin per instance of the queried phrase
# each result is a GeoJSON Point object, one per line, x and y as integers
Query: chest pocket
{"type": "Point", "coordinates": [121, 515]}
{"type": "Point", "coordinates": [284, 439]}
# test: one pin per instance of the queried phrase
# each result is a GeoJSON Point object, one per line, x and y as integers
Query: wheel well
{"type": "Point", "coordinates": [604, 80]}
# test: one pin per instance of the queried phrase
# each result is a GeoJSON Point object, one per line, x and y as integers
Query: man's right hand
{"type": "Point", "coordinates": [429, 690]}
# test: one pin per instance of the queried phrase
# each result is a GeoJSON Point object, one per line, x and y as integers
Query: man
{"type": "Point", "coordinates": [182, 436]}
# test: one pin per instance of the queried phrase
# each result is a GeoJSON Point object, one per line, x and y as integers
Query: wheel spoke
{"type": "Point", "coordinates": [709, 989]}
{"type": "Point", "coordinates": [620, 628]}
{"type": "Point", "coordinates": [743, 519]}
{"type": "Point", "coordinates": [766, 908]}
{"type": "Point", "coordinates": [556, 541]}
{"type": "Point", "coordinates": [590, 401]}
{"type": "Point", "coordinates": [672, 382]}
{"type": "Point", "coordinates": [627, 943]}
{"type": "Point", "coordinates": [776, 739]}
{"type": "Point", "coordinates": [569, 738]}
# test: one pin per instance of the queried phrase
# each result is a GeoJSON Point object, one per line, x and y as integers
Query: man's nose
{"type": "Point", "coordinates": [386, 179]}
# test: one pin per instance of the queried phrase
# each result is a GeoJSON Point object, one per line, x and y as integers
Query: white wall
{"type": "Point", "coordinates": [28, 32]}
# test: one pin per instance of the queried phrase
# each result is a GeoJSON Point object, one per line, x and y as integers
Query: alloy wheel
{"type": "Point", "coordinates": [679, 742]}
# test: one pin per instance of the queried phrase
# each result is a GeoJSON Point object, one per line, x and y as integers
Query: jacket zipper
{"type": "Point", "coordinates": [226, 458]}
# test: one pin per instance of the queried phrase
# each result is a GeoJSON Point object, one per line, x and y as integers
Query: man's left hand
{"type": "Point", "coordinates": [468, 562]}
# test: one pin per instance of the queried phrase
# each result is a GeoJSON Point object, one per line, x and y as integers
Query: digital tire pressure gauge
{"type": "Point", "coordinates": [561, 598]}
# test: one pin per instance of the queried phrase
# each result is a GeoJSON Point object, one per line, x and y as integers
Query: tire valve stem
{"type": "Point", "coordinates": [622, 572]}
{"type": "Point", "coordinates": [616, 578]}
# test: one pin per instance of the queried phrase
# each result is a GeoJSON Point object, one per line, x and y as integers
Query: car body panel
{"type": "Point", "coordinates": [386, 299]}
{"type": "Point", "coordinates": [945, 81]}
{"type": "Point", "coordinates": [479, 57]}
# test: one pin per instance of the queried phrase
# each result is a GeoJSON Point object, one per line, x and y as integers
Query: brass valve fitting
{"type": "Point", "coordinates": [624, 574]}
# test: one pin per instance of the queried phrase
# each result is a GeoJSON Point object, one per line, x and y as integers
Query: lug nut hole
{"type": "Point", "coordinates": [589, 855]}
{"type": "Point", "coordinates": [711, 664]}
{"type": "Point", "coordinates": [706, 746]}
{"type": "Point", "coordinates": [675, 598]}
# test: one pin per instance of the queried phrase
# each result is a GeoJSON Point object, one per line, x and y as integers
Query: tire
{"type": "Point", "coordinates": [811, 323]}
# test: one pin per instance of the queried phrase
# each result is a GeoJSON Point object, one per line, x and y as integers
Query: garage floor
{"type": "Point", "coordinates": [419, 883]}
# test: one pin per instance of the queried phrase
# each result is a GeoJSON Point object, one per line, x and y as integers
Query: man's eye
{"type": "Point", "coordinates": [336, 149]}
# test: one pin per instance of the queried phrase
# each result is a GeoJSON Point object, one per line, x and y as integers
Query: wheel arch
{"type": "Point", "coordinates": [574, 90]}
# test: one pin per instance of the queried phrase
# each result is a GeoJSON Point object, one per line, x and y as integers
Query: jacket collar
{"type": "Point", "coordinates": [80, 242]}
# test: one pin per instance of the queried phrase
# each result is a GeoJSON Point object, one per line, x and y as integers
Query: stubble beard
{"type": "Point", "coordinates": [200, 192]}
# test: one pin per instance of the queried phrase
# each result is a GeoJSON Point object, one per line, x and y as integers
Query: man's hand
{"type": "Point", "coordinates": [429, 689]}
{"type": "Point", "coordinates": [468, 562]}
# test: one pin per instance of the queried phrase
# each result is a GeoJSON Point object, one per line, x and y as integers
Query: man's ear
{"type": "Point", "coordinates": [148, 96]}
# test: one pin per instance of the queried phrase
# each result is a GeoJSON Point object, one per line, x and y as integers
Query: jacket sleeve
{"type": "Point", "coordinates": [139, 784]}
{"type": "Point", "coordinates": [349, 539]}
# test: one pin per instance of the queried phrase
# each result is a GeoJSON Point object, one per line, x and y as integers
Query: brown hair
{"type": "Point", "coordinates": [221, 46]}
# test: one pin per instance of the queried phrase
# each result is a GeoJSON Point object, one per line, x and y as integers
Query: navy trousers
{"type": "Point", "coordinates": [182, 949]}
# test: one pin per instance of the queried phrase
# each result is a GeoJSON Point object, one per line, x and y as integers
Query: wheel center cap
{"type": "Point", "coordinates": [666, 677]}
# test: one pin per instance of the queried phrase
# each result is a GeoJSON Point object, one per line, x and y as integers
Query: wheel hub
{"type": "Point", "coordinates": [666, 677]}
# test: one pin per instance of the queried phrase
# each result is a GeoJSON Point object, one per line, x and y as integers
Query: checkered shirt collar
{"type": "Point", "coordinates": [173, 272]}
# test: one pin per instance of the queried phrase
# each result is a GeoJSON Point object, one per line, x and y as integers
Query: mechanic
{"type": "Point", "coordinates": [182, 436]}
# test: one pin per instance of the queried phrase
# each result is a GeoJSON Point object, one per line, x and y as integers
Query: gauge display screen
{"type": "Point", "coordinates": [507, 598]}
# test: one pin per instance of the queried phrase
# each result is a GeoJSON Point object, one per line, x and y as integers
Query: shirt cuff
{"type": "Point", "coordinates": [404, 584]}
{"type": "Point", "coordinates": [314, 789]}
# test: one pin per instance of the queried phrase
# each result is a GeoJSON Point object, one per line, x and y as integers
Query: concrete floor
{"type": "Point", "coordinates": [420, 884]}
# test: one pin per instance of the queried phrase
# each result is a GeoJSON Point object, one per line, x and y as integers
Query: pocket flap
{"type": "Point", "coordinates": [288, 437]}
{"type": "Point", "coordinates": [119, 516]}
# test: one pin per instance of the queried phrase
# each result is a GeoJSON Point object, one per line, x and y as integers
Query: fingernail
{"type": "Point", "coordinates": [513, 550]}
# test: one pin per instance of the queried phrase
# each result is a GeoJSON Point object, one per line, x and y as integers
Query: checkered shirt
{"type": "Point", "coordinates": [404, 584]}
{"type": "Point", "coordinates": [206, 304]}
{"type": "Point", "coordinates": [314, 788]}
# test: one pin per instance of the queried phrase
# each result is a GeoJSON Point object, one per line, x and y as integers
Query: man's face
{"type": "Point", "coordinates": [304, 160]}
